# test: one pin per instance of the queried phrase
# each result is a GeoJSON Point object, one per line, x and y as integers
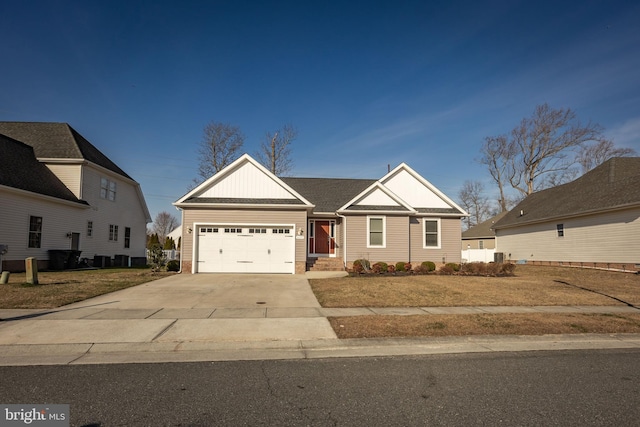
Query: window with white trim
{"type": "Point", "coordinates": [35, 231]}
{"type": "Point", "coordinates": [107, 189]}
{"type": "Point", "coordinates": [89, 228]}
{"type": "Point", "coordinates": [376, 226]}
{"type": "Point", "coordinates": [560, 230]}
{"type": "Point", "coordinates": [113, 233]}
{"type": "Point", "coordinates": [431, 228]}
{"type": "Point", "coordinates": [480, 244]}
{"type": "Point", "coordinates": [127, 237]}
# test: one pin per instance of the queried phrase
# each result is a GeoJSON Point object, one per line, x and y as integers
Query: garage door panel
{"type": "Point", "coordinates": [256, 249]}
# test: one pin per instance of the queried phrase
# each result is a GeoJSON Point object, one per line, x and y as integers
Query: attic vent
{"type": "Point", "coordinates": [521, 212]}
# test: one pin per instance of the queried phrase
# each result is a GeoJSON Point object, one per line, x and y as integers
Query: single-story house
{"type": "Point", "coordinates": [481, 236]}
{"type": "Point", "coordinates": [60, 193]}
{"type": "Point", "coordinates": [593, 221]}
{"type": "Point", "coordinates": [246, 219]}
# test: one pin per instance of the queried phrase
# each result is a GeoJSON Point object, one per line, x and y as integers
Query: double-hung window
{"type": "Point", "coordinates": [432, 233]}
{"type": "Point", "coordinates": [35, 231]}
{"type": "Point", "coordinates": [107, 189]}
{"type": "Point", "coordinates": [127, 237]}
{"type": "Point", "coordinates": [113, 233]}
{"type": "Point", "coordinates": [376, 226]}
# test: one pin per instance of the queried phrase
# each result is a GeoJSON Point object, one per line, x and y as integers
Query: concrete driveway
{"type": "Point", "coordinates": [179, 309]}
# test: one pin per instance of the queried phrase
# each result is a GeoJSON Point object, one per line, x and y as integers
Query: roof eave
{"type": "Point", "coordinates": [78, 204]}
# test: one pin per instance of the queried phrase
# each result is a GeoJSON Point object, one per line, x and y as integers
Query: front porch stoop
{"type": "Point", "coordinates": [325, 264]}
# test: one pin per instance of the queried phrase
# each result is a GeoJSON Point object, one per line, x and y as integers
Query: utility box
{"type": "Point", "coordinates": [121, 260]}
{"type": "Point", "coordinates": [498, 257]}
{"type": "Point", "coordinates": [101, 261]}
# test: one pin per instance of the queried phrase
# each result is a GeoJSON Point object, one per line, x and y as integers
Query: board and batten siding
{"type": "Point", "coordinates": [612, 237]}
{"type": "Point", "coordinates": [450, 235]}
{"type": "Point", "coordinates": [396, 233]}
{"type": "Point", "coordinates": [193, 216]}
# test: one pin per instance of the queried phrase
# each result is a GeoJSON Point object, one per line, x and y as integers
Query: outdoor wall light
{"type": "Point", "coordinates": [300, 231]}
{"type": "Point", "coordinates": [189, 230]}
{"type": "Point", "coordinates": [69, 234]}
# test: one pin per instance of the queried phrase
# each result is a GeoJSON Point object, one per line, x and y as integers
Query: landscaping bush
{"type": "Point", "coordinates": [429, 265]}
{"type": "Point", "coordinates": [453, 266]}
{"type": "Point", "coordinates": [446, 269]}
{"type": "Point", "coordinates": [491, 269]}
{"type": "Point", "coordinates": [173, 265]}
{"type": "Point", "coordinates": [379, 267]}
{"type": "Point", "coordinates": [408, 267]}
{"type": "Point", "coordinates": [391, 268]}
{"type": "Point", "coordinates": [361, 265]}
{"type": "Point", "coordinates": [508, 269]}
{"type": "Point", "coordinates": [400, 266]}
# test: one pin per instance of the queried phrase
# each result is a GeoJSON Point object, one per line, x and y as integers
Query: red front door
{"type": "Point", "coordinates": [322, 237]}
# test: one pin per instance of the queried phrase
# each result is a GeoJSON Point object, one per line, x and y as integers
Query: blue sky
{"type": "Point", "coordinates": [368, 84]}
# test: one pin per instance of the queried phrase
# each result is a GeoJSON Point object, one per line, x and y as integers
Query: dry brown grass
{"type": "Point", "coordinates": [57, 288]}
{"type": "Point", "coordinates": [483, 324]}
{"type": "Point", "coordinates": [532, 285]}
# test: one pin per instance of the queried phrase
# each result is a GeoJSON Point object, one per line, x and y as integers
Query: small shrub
{"type": "Point", "coordinates": [408, 267]}
{"type": "Point", "coordinates": [379, 267]}
{"type": "Point", "coordinates": [454, 266]}
{"type": "Point", "coordinates": [173, 265]}
{"type": "Point", "coordinates": [446, 270]}
{"type": "Point", "coordinates": [400, 266]}
{"type": "Point", "coordinates": [361, 265]}
{"type": "Point", "coordinates": [391, 268]}
{"type": "Point", "coordinates": [429, 265]}
{"type": "Point", "coordinates": [508, 269]}
{"type": "Point", "coordinates": [156, 258]}
{"type": "Point", "coordinates": [420, 269]}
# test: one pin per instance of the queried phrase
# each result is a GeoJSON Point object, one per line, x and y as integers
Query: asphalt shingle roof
{"type": "Point", "coordinates": [613, 184]}
{"type": "Point", "coordinates": [58, 141]}
{"type": "Point", "coordinates": [484, 229]}
{"type": "Point", "coordinates": [328, 194]}
{"type": "Point", "coordinates": [20, 169]}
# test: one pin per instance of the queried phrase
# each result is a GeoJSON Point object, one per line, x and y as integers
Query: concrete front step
{"type": "Point", "coordinates": [325, 264]}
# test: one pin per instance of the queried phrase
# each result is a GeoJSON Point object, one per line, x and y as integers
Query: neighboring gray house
{"type": "Point", "coordinates": [593, 221]}
{"type": "Point", "coordinates": [245, 219]}
{"type": "Point", "coordinates": [59, 192]}
{"type": "Point", "coordinates": [481, 236]}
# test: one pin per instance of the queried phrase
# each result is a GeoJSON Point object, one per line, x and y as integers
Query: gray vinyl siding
{"type": "Point", "coordinates": [450, 236]}
{"type": "Point", "coordinates": [396, 233]}
{"type": "Point", "coordinates": [609, 237]}
{"type": "Point", "coordinates": [193, 216]}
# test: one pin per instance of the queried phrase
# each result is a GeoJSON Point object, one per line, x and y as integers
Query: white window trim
{"type": "Point", "coordinates": [384, 231]}
{"type": "Point", "coordinates": [424, 233]}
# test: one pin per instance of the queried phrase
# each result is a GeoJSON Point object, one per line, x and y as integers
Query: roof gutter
{"type": "Point", "coordinates": [344, 239]}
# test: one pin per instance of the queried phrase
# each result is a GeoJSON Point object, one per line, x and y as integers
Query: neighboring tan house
{"type": "Point", "coordinates": [60, 193]}
{"type": "Point", "coordinates": [245, 219]}
{"type": "Point", "coordinates": [481, 236]}
{"type": "Point", "coordinates": [593, 221]}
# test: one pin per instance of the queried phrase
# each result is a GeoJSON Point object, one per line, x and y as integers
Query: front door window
{"type": "Point", "coordinates": [322, 237]}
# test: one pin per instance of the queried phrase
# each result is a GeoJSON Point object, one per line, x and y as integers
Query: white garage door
{"type": "Point", "coordinates": [245, 249]}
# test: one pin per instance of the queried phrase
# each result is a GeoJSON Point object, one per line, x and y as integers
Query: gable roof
{"type": "Point", "coordinates": [615, 184]}
{"type": "Point", "coordinates": [21, 170]}
{"type": "Point", "coordinates": [484, 230]}
{"type": "Point", "coordinates": [244, 182]}
{"type": "Point", "coordinates": [247, 183]}
{"type": "Point", "coordinates": [58, 141]}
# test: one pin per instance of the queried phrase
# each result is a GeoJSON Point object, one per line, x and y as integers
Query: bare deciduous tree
{"type": "Point", "coordinates": [496, 156]}
{"type": "Point", "coordinates": [539, 152]}
{"type": "Point", "coordinates": [275, 150]}
{"type": "Point", "coordinates": [221, 144]}
{"type": "Point", "coordinates": [163, 224]}
{"type": "Point", "coordinates": [593, 155]}
{"type": "Point", "coordinates": [474, 201]}
{"type": "Point", "coordinates": [543, 143]}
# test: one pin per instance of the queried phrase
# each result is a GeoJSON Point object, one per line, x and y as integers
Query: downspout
{"type": "Point", "coordinates": [344, 240]}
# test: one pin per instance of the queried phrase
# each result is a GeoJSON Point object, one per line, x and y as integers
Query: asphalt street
{"type": "Point", "coordinates": [558, 388]}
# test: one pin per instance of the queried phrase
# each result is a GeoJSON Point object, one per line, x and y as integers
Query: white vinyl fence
{"type": "Point", "coordinates": [478, 255]}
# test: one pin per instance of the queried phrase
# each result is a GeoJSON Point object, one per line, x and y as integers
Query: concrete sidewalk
{"type": "Point", "coordinates": [93, 334]}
